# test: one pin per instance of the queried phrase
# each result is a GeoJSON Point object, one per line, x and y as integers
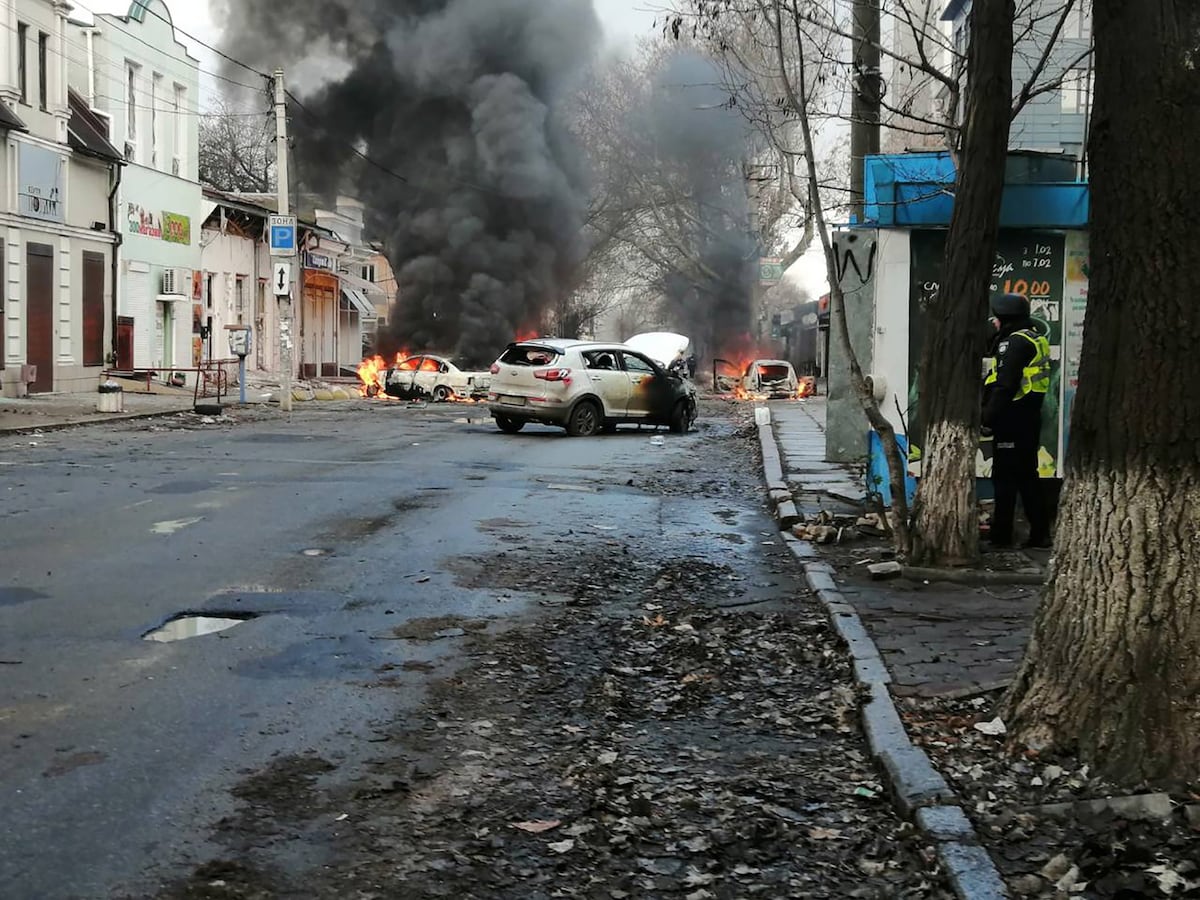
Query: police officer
{"type": "Point", "coordinates": [1014, 391]}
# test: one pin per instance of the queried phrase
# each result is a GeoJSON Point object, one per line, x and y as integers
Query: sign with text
{"type": "Point", "coordinates": [40, 182]}
{"type": "Point", "coordinates": [1027, 262]}
{"type": "Point", "coordinates": [318, 261]}
{"type": "Point", "coordinates": [176, 229]}
{"type": "Point", "coordinates": [281, 231]}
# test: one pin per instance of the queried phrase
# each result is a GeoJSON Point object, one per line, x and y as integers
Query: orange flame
{"type": "Point", "coordinates": [371, 373]}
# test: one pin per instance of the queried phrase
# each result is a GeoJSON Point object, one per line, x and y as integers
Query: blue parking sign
{"type": "Point", "coordinates": [282, 235]}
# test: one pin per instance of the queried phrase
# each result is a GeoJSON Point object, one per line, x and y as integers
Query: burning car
{"type": "Point", "coordinates": [772, 379]}
{"type": "Point", "coordinates": [586, 388]}
{"type": "Point", "coordinates": [423, 376]}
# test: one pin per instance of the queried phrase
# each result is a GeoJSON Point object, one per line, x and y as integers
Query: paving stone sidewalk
{"type": "Point", "coordinates": [937, 639]}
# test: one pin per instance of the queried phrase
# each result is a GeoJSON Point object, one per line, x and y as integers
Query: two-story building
{"type": "Point", "coordinates": [1054, 121]}
{"type": "Point", "coordinates": [136, 73]}
{"type": "Point", "coordinates": [58, 182]}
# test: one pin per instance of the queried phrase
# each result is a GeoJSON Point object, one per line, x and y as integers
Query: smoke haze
{"type": "Point", "coordinates": [458, 97]}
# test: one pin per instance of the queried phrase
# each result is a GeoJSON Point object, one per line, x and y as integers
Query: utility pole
{"type": "Point", "coordinates": [864, 109]}
{"type": "Point", "coordinates": [281, 177]}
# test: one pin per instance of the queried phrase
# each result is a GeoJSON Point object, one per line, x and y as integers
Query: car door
{"type": "Point", "coordinates": [400, 378]}
{"type": "Point", "coordinates": [640, 375]}
{"type": "Point", "coordinates": [609, 381]}
{"type": "Point", "coordinates": [426, 376]}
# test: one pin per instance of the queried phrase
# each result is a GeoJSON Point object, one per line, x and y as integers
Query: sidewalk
{"type": "Point", "coordinates": [51, 411]}
{"type": "Point", "coordinates": [937, 640]}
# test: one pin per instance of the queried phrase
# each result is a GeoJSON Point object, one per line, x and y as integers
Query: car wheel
{"type": "Point", "coordinates": [585, 420]}
{"type": "Point", "coordinates": [509, 426]}
{"type": "Point", "coordinates": [682, 417]}
{"type": "Point", "coordinates": [441, 394]}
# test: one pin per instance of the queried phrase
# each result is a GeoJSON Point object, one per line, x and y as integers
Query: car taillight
{"type": "Point", "coordinates": [563, 375]}
{"type": "Point", "coordinates": [495, 369]}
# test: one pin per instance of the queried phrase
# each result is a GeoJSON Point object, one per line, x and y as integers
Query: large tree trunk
{"type": "Point", "coordinates": [1113, 669]}
{"type": "Point", "coordinates": [946, 524]}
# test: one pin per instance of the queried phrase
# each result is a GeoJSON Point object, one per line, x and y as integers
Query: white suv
{"type": "Point", "coordinates": [586, 388]}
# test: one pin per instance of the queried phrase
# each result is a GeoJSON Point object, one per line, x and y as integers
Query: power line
{"type": "Point", "coordinates": [220, 53]}
{"type": "Point", "coordinates": [115, 20]}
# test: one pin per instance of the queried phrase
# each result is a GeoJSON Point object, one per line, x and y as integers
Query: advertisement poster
{"type": "Point", "coordinates": [40, 184]}
{"type": "Point", "coordinates": [1027, 262]}
{"type": "Point", "coordinates": [1074, 309]}
{"type": "Point", "coordinates": [176, 229]}
{"type": "Point", "coordinates": [144, 222]}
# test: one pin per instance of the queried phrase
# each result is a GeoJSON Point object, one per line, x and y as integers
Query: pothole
{"type": "Point", "coordinates": [190, 625]}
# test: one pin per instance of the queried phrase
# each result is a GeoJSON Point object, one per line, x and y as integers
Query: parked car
{"type": "Point", "coordinates": [771, 378]}
{"type": "Point", "coordinates": [435, 378]}
{"type": "Point", "coordinates": [586, 388]}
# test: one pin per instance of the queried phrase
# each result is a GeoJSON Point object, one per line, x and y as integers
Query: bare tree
{"type": "Point", "coordinates": [671, 210]}
{"type": "Point", "coordinates": [1113, 668]}
{"type": "Point", "coordinates": [237, 150]}
{"type": "Point", "coordinates": [946, 521]}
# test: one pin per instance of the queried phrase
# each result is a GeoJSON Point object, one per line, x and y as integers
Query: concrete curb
{"type": "Point", "coordinates": [919, 789]}
{"type": "Point", "coordinates": [81, 423]}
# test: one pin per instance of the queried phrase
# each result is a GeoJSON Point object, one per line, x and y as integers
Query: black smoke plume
{"type": "Point", "coordinates": [458, 98]}
{"type": "Point", "coordinates": [701, 144]}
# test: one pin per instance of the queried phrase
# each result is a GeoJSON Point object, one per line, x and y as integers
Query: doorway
{"type": "Point", "coordinates": [39, 316]}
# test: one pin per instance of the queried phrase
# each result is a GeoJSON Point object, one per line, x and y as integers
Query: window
{"type": "Point", "coordinates": [155, 94]}
{"type": "Point", "coordinates": [636, 365]}
{"type": "Point", "coordinates": [1076, 92]}
{"type": "Point", "coordinates": [208, 289]}
{"type": "Point", "coordinates": [368, 273]}
{"type": "Point", "coordinates": [1078, 23]}
{"type": "Point", "coordinates": [240, 294]}
{"type": "Point", "coordinates": [43, 68]}
{"type": "Point", "coordinates": [179, 159]}
{"type": "Point", "coordinates": [131, 101]}
{"type": "Point", "coordinates": [23, 61]}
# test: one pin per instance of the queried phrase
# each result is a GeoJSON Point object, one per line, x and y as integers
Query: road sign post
{"type": "Point", "coordinates": [281, 279]}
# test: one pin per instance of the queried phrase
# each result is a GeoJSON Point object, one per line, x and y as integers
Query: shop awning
{"type": "Point", "coordinates": [358, 300]}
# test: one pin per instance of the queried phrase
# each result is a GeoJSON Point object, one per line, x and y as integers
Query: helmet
{"type": "Point", "coordinates": [1010, 306]}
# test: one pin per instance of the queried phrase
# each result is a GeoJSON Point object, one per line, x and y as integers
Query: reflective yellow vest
{"type": "Point", "coordinates": [1035, 378]}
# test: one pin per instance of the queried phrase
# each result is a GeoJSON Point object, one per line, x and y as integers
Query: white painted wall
{"type": "Point", "coordinates": [890, 342]}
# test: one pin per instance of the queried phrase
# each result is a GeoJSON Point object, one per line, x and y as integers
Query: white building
{"type": "Point", "coordinates": [235, 263]}
{"type": "Point", "coordinates": [135, 72]}
{"type": "Point", "coordinates": [56, 180]}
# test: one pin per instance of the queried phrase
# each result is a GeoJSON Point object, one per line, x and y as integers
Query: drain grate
{"type": "Point", "coordinates": [190, 625]}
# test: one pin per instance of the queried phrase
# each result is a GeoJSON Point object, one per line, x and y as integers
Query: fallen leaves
{"type": "Point", "coordinates": [538, 826]}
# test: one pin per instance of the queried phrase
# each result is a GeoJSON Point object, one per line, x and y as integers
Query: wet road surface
{"type": "Point", "coordinates": [320, 536]}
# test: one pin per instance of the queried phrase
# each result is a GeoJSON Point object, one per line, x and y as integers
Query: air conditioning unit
{"type": "Point", "coordinates": [176, 281]}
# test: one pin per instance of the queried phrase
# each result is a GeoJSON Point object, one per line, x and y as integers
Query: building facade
{"type": "Point", "coordinates": [233, 285]}
{"type": "Point", "coordinates": [57, 180]}
{"type": "Point", "coordinates": [1055, 121]}
{"type": "Point", "coordinates": [135, 72]}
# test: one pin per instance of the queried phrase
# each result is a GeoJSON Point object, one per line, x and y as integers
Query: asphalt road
{"type": "Point", "coordinates": [117, 753]}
